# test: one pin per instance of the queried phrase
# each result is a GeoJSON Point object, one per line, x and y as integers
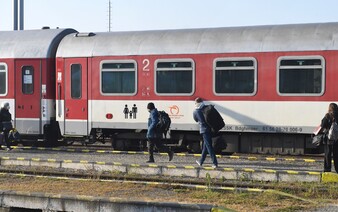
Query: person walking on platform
{"type": "Point", "coordinates": [330, 147]}
{"type": "Point", "coordinates": [205, 131]}
{"type": "Point", "coordinates": [6, 123]}
{"type": "Point", "coordinates": [154, 138]}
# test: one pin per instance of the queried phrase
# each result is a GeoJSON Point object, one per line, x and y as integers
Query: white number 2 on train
{"type": "Point", "coordinates": [145, 63]}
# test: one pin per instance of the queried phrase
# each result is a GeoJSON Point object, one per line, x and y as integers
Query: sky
{"type": "Point", "coordinates": [135, 15]}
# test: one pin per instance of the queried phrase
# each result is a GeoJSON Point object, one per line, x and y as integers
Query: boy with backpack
{"type": "Point", "coordinates": [205, 131]}
{"type": "Point", "coordinates": [154, 135]}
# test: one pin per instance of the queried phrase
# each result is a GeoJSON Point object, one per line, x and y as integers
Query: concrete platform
{"type": "Point", "coordinates": [49, 202]}
{"type": "Point", "coordinates": [243, 174]}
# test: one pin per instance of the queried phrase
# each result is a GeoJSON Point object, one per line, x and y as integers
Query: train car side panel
{"type": "Point", "coordinates": [28, 95]}
{"type": "Point", "coordinates": [76, 100]}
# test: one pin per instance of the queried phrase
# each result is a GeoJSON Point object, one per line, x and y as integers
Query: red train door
{"type": "Point", "coordinates": [27, 96]}
{"type": "Point", "coordinates": [76, 101]}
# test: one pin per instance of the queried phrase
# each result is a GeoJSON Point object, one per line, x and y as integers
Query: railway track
{"type": "Point", "coordinates": [311, 158]}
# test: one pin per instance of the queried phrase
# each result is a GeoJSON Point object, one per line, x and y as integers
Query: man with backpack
{"type": "Point", "coordinates": [205, 131]}
{"type": "Point", "coordinates": [154, 135]}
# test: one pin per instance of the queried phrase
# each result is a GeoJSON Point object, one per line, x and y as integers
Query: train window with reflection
{"type": "Point", "coordinates": [235, 76]}
{"type": "Point", "coordinates": [27, 79]}
{"type": "Point", "coordinates": [301, 76]}
{"type": "Point", "coordinates": [3, 79]}
{"type": "Point", "coordinates": [76, 83]}
{"type": "Point", "coordinates": [174, 77]}
{"type": "Point", "coordinates": [118, 77]}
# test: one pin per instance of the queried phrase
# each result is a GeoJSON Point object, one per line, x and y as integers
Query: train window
{"type": "Point", "coordinates": [301, 76]}
{"type": "Point", "coordinates": [174, 77]}
{"type": "Point", "coordinates": [76, 83]}
{"type": "Point", "coordinates": [118, 77]}
{"type": "Point", "coordinates": [3, 79]}
{"type": "Point", "coordinates": [235, 76]}
{"type": "Point", "coordinates": [27, 79]}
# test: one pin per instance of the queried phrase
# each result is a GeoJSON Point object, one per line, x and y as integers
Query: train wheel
{"type": "Point", "coordinates": [119, 145]}
{"type": "Point", "coordinates": [68, 142]}
{"type": "Point", "coordinates": [194, 147]}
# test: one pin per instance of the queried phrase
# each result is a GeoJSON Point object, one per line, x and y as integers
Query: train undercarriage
{"type": "Point", "coordinates": [224, 143]}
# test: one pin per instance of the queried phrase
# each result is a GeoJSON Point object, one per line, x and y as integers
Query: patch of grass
{"type": "Point", "coordinates": [238, 201]}
{"type": "Point", "coordinates": [291, 208]}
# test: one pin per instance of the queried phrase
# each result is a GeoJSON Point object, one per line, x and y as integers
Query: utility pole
{"type": "Point", "coordinates": [21, 13]}
{"type": "Point", "coordinates": [18, 14]}
{"type": "Point", "coordinates": [15, 14]}
{"type": "Point", "coordinates": [109, 16]}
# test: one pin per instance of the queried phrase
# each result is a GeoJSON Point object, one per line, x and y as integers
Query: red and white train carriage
{"type": "Point", "coordinates": [272, 84]}
{"type": "Point", "coordinates": [27, 78]}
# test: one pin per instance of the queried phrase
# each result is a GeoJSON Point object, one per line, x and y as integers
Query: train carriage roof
{"type": "Point", "coordinates": [31, 43]}
{"type": "Point", "coordinates": [295, 37]}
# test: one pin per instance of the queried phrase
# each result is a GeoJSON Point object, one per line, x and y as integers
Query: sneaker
{"type": "Point", "coordinates": [214, 166]}
{"type": "Point", "coordinates": [171, 155]}
{"type": "Point", "coordinates": [150, 161]}
{"type": "Point", "coordinates": [199, 164]}
{"type": "Point", "coordinates": [8, 149]}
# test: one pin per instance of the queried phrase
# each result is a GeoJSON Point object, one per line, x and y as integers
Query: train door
{"type": "Point", "coordinates": [76, 101]}
{"type": "Point", "coordinates": [27, 96]}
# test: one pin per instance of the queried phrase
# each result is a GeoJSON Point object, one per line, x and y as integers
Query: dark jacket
{"type": "Point", "coordinates": [199, 117]}
{"type": "Point", "coordinates": [152, 123]}
{"type": "Point", "coordinates": [5, 115]}
{"type": "Point", "coordinates": [326, 124]}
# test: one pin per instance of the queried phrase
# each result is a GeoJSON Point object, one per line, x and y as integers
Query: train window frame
{"type": "Point", "coordinates": [27, 80]}
{"type": "Point", "coordinates": [301, 57]}
{"type": "Point", "coordinates": [255, 69]}
{"type": "Point", "coordinates": [193, 70]}
{"type": "Point", "coordinates": [135, 70]}
{"type": "Point", "coordinates": [5, 70]}
{"type": "Point", "coordinates": [80, 81]}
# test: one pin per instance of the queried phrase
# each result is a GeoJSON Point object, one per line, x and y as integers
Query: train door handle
{"type": "Point", "coordinates": [83, 109]}
{"type": "Point", "coordinates": [67, 109]}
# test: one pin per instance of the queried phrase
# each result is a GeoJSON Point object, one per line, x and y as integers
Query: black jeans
{"type": "Point", "coordinates": [330, 150]}
{"type": "Point", "coordinates": [5, 138]}
{"type": "Point", "coordinates": [156, 142]}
